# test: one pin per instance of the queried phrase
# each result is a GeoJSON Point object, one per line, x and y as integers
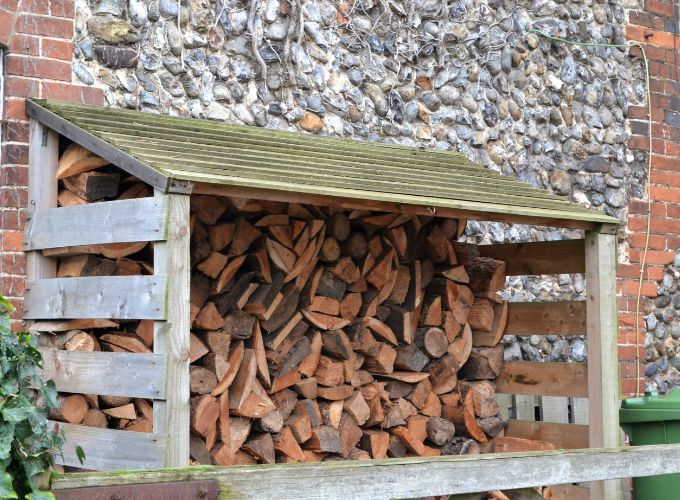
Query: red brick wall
{"type": "Point", "coordinates": [37, 35]}
{"type": "Point", "coordinates": [655, 28]}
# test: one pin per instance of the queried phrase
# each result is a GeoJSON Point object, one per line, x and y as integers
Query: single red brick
{"type": "Point", "coordinates": [14, 175]}
{"type": "Point", "coordinates": [11, 5]}
{"type": "Point", "coordinates": [16, 154]}
{"type": "Point", "coordinates": [57, 49]}
{"type": "Point", "coordinates": [12, 241]}
{"type": "Point", "coordinates": [62, 8]}
{"type": "Point", "coordinates": [15, 109]}
{"type": "Point", "coordinates": [17, 86]}
{"type": "Point", "coordinates": [661, 193]}
{"type": "Point", "coordinates": [664, 8]}
{"type": "Point", "coordinates": [649, 289]}
{"type": "Point", "coordinates": [35, 6]}
{"type": "Point", "coordinates": [15, 131]}
{"type": "Point", "coordinates": [44, 26]}
{"type": "Point", "coordinates": [24, 44]}
{"type": "Point", "coordinates": [15, 197]}
{"type": "Point", "coordinates": [38, 67]}
{"type": "Point", "coordinates": [73, 93]}
{"type": "Point", "coordinates": [10, 219]}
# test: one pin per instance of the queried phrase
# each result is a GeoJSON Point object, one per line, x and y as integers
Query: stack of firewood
{"type": "Point", "coordinates": [316, 333]}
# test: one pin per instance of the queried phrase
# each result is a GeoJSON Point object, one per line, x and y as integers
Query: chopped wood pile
{"type": "Point", "coordinates": [316, 334]}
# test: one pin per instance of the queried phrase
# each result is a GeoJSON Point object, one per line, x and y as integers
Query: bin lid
{"type": "Point", "coordinates": [651, 407]}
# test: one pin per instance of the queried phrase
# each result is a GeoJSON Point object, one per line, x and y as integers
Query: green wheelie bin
{"type": "Point", "coordinates": [653, 419]}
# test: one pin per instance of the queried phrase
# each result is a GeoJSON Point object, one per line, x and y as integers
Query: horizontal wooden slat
{"type": "Point", "coordinates": [540, 257]}
{"type": "Point", "coordinates": [569, 492]}
{"type": "Point", "coordinates": [407, 477]}
{"type": "Point", "coordinates": [109, 449]}
{"type": "Point", "coordinates": [122, 221]}
{"type": "Point", "coordinates": [565, 436]}
{"type": "Point", "coordinates": [543, 379]}
{"type": "Point", "coordinates": [115, 297]}
{"type": "Point", "coordinates": [137, 375]}
{"type": "Point", "coordinates": [546, 318]}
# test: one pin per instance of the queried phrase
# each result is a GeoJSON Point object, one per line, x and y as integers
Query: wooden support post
{"type": "Point", "coordinates": [43, 151]}
{"type": "Point", "coordinates": [603, 373]}
{"type": "Point", "coordinates": [171, 337]}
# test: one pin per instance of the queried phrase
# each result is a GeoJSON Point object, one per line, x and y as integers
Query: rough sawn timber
{"type": "Point", "coordinates": [136, 375]}
{"type": "Point", "coordinates": [408, 477]}
{"type": "Point", "coordinates": [124, 221]}
{"type": "Point", "coordinates": [116, 297]}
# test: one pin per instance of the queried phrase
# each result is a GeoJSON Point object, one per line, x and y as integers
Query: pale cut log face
{"type": "Point", "coordinates": [315, 333]}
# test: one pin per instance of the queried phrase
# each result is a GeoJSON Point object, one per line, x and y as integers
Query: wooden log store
{"type": "Point", "coordinates": [228, 295]}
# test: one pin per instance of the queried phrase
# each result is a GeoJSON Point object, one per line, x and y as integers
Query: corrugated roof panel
{"type": "Point", "coordinates": [203, 151]}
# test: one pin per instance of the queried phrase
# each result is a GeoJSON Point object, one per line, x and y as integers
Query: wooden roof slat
{"type": "Point", "coordinates": [172, 153]}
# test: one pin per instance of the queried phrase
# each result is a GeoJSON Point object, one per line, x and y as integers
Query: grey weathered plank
{"type": "Point", "coordinates": [109, 449]}
{"type": "Point", "coordinates": [123, 221]}
{"type": "Point", "coordinates": [116, 297]}
{"type": "Point", "coordinates": [408, 477]}
{"type": "Point", "coordinates": [603, 368]}
{"type": "Point", "coordinates": [137, 375]}
{"type": "Point", "coordinates": [171, 337]}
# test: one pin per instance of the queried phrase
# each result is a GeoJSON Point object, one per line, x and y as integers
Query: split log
{"type": "Point", "coordinates": [432, 341]}
{"type": "Point", "coordinates": [485, 363]}
{"type": "Point", "coordinates": [497, 329]}
{"type": "Point", "coordinates": [487, 277]}
{"type": "Point", "coordinates": [72, 409]}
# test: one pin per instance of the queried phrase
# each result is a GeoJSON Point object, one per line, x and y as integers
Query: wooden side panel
{"type": "Point", "coordinates": [541, 257]}
{"type": "Point", "coordinates": [603, 368]}
{"type": "Point", "coordinates": [109, 449]}
{"type": "Point", "coordinates": [43, 159]}
{"type": "Point", "coordinates": [106, 373]}
{"type": "Point", "coordinates": [566, 436]}
{"type": "Point", "coordinates": [171, 337]}
{"type": "Point", "coordinates": [116, 297]}
{"type": "Point", "coordinates": [546, 318]}
{"type": "Point", "coordinates": [543, 379]}
{"type": "Point", "coordinates": [141, 219]}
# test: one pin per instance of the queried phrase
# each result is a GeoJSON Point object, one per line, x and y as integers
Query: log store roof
{"type": "Point", "coordinates": [178, 154]}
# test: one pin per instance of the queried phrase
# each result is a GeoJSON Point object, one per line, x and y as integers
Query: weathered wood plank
{"type": "Point", "coordinates": [569, 492]}
{"type": "Point", "coordinates": [525, 407]}
{"type": "Point", "coordinates": [171, 337]}
{"type": "Point", "coordinates": [543, 379]}
{"type": "Point", "coordinates": [555, 409]}
{"type": "Point", "coordinates": [538, 257]}
{"type": "Point", "coordinates": [504, 404]}
{"type": "Point", "coordinates": [116, 297]}
{"type": "Point", "coordinates": [408, 477]}
{"type": "Point", "coordinates": [43, 151]}
{"type": "Point", "coordinates": [109, 449]}
{"type": "Point", "coordinates": [566, 436]}
{"type": "Point", "coordinates": [579, 409]}
{"type": "Point", "coordinates": [135, 375]}
{"type": "Point", "coordinates": [603, 367]}
{"type": "Point", "coordinates": [125, 221]}
{"type": "Point", "coordinates": [564, 318]}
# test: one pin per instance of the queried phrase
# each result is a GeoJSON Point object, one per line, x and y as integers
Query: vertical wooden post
{"type": "Point", "coordinates": [43, 157]}
{"type": "Point", "coordinates": [171, 337]}
{"type": "Point", "coordinates": [603, 373]}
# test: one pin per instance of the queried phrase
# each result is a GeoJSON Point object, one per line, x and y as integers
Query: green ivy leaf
{"type": "Point", "coordinates": [40, 495]}
{"type": "Point", "coordinates": [18, 409]}
{"type": "Point", "coordinates": [6, 437]}
{"type": "Point", "coordinates": [49, 392]}
{"type": "Point", "coordinates": [80, 454]}
{"type": "Point", "coordinates": [6, 487]}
